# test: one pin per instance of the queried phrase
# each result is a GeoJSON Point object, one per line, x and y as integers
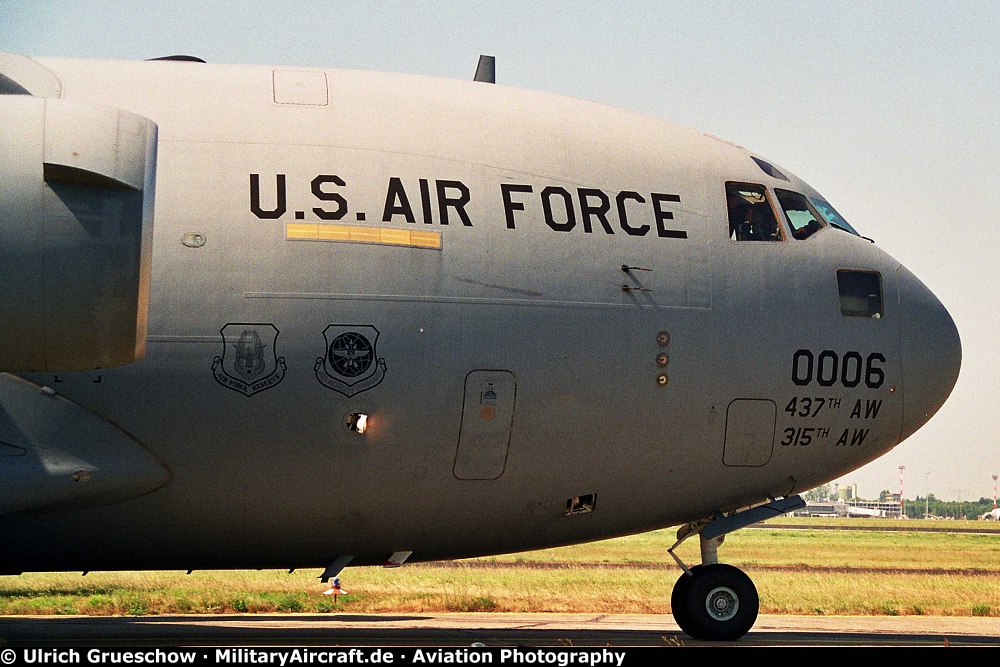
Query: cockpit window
{"type": "Point", "coordinates": [830, 214]}
{"type": "Point", "coordinates": [802, 217]}
{"type": "Point", "coordinates": [751, 217]}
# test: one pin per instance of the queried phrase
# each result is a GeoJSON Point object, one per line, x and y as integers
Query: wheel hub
{"type": "Point", "coordinates": [722, 603]}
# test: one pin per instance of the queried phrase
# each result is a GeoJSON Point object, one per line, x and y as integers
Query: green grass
{"type": "Point", "coordinates": [796, 570]}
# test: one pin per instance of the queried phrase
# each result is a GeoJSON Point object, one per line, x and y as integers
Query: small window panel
{"type": "Point", "coordinates": [860, 293]}
{"type": "Point", "coordinates": [769, 169]}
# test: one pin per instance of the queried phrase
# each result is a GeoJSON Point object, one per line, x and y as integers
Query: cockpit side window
{"type": "Point", "coordinates": [751, 217]}
{"type": "Point", "coordinates": [802, 217]}
{"type": "Point", "coordinates": [860, 293]}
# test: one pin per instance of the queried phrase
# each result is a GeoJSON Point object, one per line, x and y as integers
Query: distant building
{"type": "Point", "coordinates": [846, 492]}
{"type": "Point", "coordinates": [823, 509]}
{"type": "Point", "coordinates": [890, 509]}
{"type": "Point", "coordinates": [856, 508]}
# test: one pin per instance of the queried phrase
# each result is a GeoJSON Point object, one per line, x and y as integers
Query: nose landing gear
{"type": "Point", "coordinates": [714, 601]}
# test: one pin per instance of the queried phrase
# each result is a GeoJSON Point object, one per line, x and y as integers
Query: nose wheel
{"type": "Point", "coordinates": [715, 602]}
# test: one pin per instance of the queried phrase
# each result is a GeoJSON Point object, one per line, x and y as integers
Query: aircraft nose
{"type": "Point", "coordinates": [931, 352]}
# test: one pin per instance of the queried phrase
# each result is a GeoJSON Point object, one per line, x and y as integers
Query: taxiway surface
{"type": "Point", "coordinates": [500, 630]}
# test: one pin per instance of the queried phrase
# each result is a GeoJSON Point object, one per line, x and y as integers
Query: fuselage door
{"type": "Point", "coordinates": [749, 432]}
{"type": "Point", "coordinates": [487, 417]}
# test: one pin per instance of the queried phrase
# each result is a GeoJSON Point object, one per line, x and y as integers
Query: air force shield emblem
{"type": "Point", "coordinates": [351, 364]}
{"type": "Point", "coordinates": [249, 361]}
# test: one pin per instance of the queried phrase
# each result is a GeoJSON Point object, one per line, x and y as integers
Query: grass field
{"type": "Point", "coordinates": [799, 566]}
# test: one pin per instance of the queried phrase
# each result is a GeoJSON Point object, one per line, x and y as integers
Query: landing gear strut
{"type": "Point", "coordinates": [714, 601]}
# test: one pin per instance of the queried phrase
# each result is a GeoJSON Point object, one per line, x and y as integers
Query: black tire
{"type": "Point", "coordinates": [678, 603]}
{"type": "Point", "coordinates": [720, 603]}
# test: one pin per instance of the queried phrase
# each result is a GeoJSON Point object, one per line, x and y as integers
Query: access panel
{"type": "Point", "coordinates": [749, 432]}
{"type": "Point", "coordinates": [487, 418]}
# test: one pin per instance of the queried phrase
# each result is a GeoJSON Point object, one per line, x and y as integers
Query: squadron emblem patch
{"type": "Point", "coordinates": [249, 361]}
{"type": "Point", "coordinates": [351, 364]}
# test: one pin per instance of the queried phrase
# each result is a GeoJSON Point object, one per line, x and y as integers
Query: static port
{"type": "Point", "coordinates": [193, 240]}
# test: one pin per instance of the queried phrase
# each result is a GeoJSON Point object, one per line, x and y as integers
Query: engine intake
{"type": "Point", "coordinates": [76, 219]}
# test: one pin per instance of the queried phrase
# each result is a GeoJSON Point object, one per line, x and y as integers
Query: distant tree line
{"type": "Point", "coordinates": [947, 509]}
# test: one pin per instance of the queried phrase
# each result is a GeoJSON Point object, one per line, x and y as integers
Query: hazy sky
{"type": "Point", "coordinates": [891, 109]}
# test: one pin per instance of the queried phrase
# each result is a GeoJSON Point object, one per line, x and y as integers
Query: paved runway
{"type": "Point", "coordinates": [438, 629]}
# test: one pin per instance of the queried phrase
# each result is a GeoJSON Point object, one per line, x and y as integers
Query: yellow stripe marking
{"type": "Point", "coordinates": [312, 231]}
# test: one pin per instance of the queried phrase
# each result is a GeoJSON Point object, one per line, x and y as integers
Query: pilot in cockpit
{"type": "Point", "coordinates": [739, 211]}
{"type": "Point", "coordinates": [750, 216]}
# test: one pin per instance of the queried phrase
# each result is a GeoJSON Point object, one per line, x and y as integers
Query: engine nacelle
{"type": "Point", "coordinates": [76, 220]}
